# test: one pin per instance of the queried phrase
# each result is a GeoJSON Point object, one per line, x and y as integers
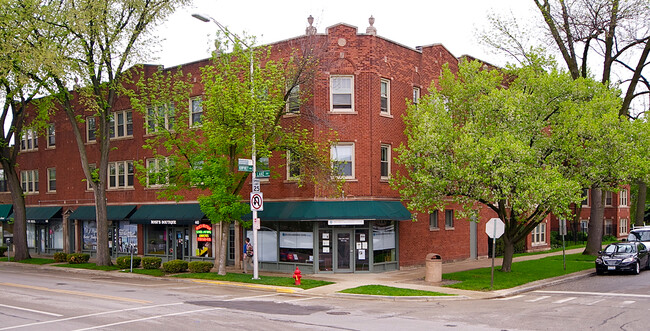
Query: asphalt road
{"type": "Point", "coordinates": [33, 298]}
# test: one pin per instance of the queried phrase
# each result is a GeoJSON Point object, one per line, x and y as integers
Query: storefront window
{"type": "Point", "coordinates": [325, 250]}
{"type": "Point", "coordinates": [203, 240]}
{"type": "Point", "coordinates": [89, 235]}
{"type": "Point", "coordinates": [383, 241]}
{"type": "Point", "coordinates": [31, 235]}
{"type": "Point", "coordinates": [55, 235]}
{"type": "Point", "coordinates": [268, 245]}
{"type": "Point", "coordinates": [362, 257]}
{"type": "Point", "coordinates": [127, 236]}
{"type": "Point", "coordinates": [155, 240]}
{"type": "Point", "coordinates": [296, 242]}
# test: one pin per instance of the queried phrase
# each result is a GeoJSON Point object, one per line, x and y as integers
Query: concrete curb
{"type": "Point", "coordinates": [400, 298]}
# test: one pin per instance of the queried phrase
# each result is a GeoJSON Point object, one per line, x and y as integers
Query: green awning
{"type": "Point", "coordinates": [42, 213]}
{"type": "Point", "coordinates": [5, 211]}
{"type": "Point", "coordinates": [115, 213]}
{"type": "Point", "coordinates": [168, 214]}
{"type": "Point", "coordinates": [333, 210]}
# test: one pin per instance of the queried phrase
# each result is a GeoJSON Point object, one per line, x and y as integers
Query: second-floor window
{"type": "Point", "coordinates": [342, 156]}
{"type": "Point", "coordinates": [385, 161]}
{"type": "Point", "coordinates": [416, 95]}
{"type": "Point", "coordinates": [158, 172]}
{"type": "Point", "coordinates": [293, 166]}
{"type": "Point", "coordinates": [29, 140]}
{"type": "Point", "coordinates": [449, 218]}
{"type": "Point", "coordinates": [293, 102]}
{"type": "Point", "coordinates": [622, 197]}
{"type": "Point", "coordinates": [121, 124]}
{"type": "Point", "coordinates": [196, 111]}
{"type": "Point", "coordinates": [120, 174]}
{"type": "Point", "coordinates": [29, 181]}
{"type": "Point", "coordinates": [51, 179]}
{"type": "Point", "coordinates": [91, 127]}
{"type": "Point", "coordinates": [3, 181]}
{"type": "Point", "coordinates": [585, 197]}
{"type": "Point", "coordinates": [342, 93]}
{"type": "Point", "coordinates": [385, 97]}
{"type": "Point", "coordinates": [160, 118]}
{"type": "Point", "coordinates": [51, 136]}
{"type": "Point", "coordinates": [608, 198]}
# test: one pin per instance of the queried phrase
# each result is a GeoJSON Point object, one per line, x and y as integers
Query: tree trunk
{"type": "Point", "coordinates": [508, 252]}
{"type": "Point", "coordinates": [21, 249]}
{"type": "Point", "coordinates": [221, 254]}
{"type": "Point", "coordinates": [640, 203]}
{"type": "Point", "coordinates": [595, 235]}
{"type": "Point", "coordinates": [103, 250]}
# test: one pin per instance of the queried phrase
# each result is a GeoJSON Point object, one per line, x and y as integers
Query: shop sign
{"type": "Point", "coordinates": [203, 232]}
{"type": "Point", "coordinates": [345, 222]}
{"type": "Point", "coordinates": [172, 222]}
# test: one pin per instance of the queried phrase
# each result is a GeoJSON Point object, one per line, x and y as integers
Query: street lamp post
{"type": "Point", "coordinates": [207, 18]}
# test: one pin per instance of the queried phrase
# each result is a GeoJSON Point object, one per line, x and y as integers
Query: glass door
{"type": "Point", "coordinates": [343, 244]}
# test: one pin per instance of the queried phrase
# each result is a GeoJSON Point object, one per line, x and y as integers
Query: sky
{"type": "Point", "coordinates": [453, 23]}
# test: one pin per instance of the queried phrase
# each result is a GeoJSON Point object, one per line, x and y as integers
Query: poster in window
{"type": "Point", "coordinates": [362, 254]}
{"type": "Point", "coordinates": [362, 237]}
{"type": "Point", "coordinates": [326, 242]}
{"type": "Point", "coordinates": [326, 249]}
{"type": "Point", "coordinates": [326, 235]}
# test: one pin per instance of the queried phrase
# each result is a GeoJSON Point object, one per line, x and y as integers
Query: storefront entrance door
{"type": "Point", "coordinates": [180, 244]}
{"type": "Point", "coordinates": [343, 258]}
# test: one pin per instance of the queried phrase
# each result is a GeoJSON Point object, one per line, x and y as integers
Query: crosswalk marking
{"type": "Point", "coordinates": [627, 302]}
{"type": "Point", "coordinates": [565, 300]}
{"type": "Point", "coordinates": [539, 298]}
{"type": "Point", "coordinates": [510, 298]}
{"type": "Point", "coordinates": [594, 302]}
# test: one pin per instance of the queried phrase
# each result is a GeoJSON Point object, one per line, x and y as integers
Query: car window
{"type": "Point", "coordinates": [611, 249]}
{"type": "Point", "coordinates": [645, 235]}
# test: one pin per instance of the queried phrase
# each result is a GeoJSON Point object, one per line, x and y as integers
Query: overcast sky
{"type": "Point", "coordinates": [453, 23]}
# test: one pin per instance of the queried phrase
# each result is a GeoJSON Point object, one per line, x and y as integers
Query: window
{"type": "Point", "coordinates": [293, 102]}
{"type": "Point", "coordinates": [609, 228]}
{"type": "Point", "coordinates": [121, 124]}
{"type": "Point", "coordinates": [91, 126]}
{"type": "Point", "coordinates": [539, 234]}
{"type": "Point", "coordinates": [341, 93]}
{"type": "Point", "coordinates": [622, 197]}
{"type": "Point", "coordinates": [29, 140]}
{"type": "Point", "coordinates": [584, 226]}
{"type": "Point", "coordinates": [416, 95]}
{"type": "Point", "coordinates": [385, 161]}
{"type": "Point", "coordinates": [120, 174]}
{"type": "Point", "coordinates": [196, 111]}
{"type": "Point", "coordinates": [51, 137]}
{"type": "Point", "coordinates": [293, 166]}
{"type": "Point", "coordinates": [3, 181]}
{"type": "Point", "coordinates": [29, 180]}
{"type": "Point", "coordinates": [608, 198]}
{"type": "Point", "coordinates": [342, 156]}
{"type": "Point", "coordinates": [433, 220]}
{"type": "Point", "coordinates": [160, 117]}
{"type": "Point", "coordinates": [449, 218]}
{"type": "Point", "coordinates": [385, 97]}
{"type": "Point", "coordinates": [92, 167]}
{"type": "Point", "coordinates": [158, 172]}
{"type": "Point", "coordinates": [51, 179]}
{"type": "Point", "coordinates": [585, 196]}
{"type": "Point", "coordinates": [623, 226]}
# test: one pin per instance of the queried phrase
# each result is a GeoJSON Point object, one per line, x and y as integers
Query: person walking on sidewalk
{"type": "Point", "coordinates": [248, 255]}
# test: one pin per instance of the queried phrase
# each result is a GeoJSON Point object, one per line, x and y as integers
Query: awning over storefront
{"type": "Point", "coordinates": [5, 211]}
{"type": "Point", "coordinates": [115, 213]}
{"type": "Point", "coordinates": [333, 210]}
{"type": "Point", "coordinates": [167, 214]}
{"type": "Point", "coordinates": [41, 214]}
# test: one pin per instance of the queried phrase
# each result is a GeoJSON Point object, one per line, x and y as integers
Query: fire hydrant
{"type": "Point", "coordinates": [297, 276]}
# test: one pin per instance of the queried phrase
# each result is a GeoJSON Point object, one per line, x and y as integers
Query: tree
{"type": "Point", "coordinates": [240, 98]}
{"type": "Point", "coordinates": [508, 148]}
{"type": "Point", "coordinates": [98, 41]}
{"type": "Point", "coordinates": [615, 32]}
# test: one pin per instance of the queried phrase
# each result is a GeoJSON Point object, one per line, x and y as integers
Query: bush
{"type": "Point", "coordinates": [124, 262]}
{"type": "Point", "coordinates": [199, 266]}
{"type": "Point", "coordinates": [520, 247]}
{"type": "Point", "coordinates": [175, 266]}
{"type": "Point", "coordinates": [60, 257]}
{"type": "Point", "coordinates": [3, 250]}
{"type": "Point", "coordinates": [150, 262]}
{"type": "Point", "coordinates": [78, 258]}
{"type": "Point", "coordinates": [609, 239]}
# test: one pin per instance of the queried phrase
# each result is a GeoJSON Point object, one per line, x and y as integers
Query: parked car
{"type": "Point", "coordinates": [641, 234]}
{"type": "Point", "coordinates": [625, 256]}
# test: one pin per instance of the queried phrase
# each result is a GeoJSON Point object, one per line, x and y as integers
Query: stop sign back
{"type": "Point", "coordinates": [495, 228]}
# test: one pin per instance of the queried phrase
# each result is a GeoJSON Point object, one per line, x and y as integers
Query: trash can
{"type": "Point", "coordinates": [433, 268]}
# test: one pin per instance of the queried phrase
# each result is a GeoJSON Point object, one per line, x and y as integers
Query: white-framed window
{"type": "Point", "coordinates": [196, 111]}
{"type": "Point", "coordinates": [293, 166]}
{"type": "Point", "coordinates": [91, 128]}
{"type": "Point", "coordinates": [384, 96]}
{"type": "Point", "coordinates": [385, 161]}
{"type": "Point", "coordinates": [158, 172]}
{"type": "Point", "coordinates": [160, 118]}
{"type": "Point", "coordinates": [3, 181]}
{"type": "Point", "coordinates": [293, 102]}
{"type": "Point", "coordinates": [342, 93]}
{"type": "Point", "coordinates": [51, 136]}
{"type": "Point", "coordinates": [608, 198]}
{"type": "Point", "coordinates": [539, 234]}
{"type": "Point", "coordinates": [433, 220]}
{"type": "Point", "coordinates": [29, 140]}
{"type": "Point", "coordinates": [449, 219]}
{"type": "Point", "coordinates": [623, 226]}
{"type": "Point", "coordinates": [416, 95]}
{"type": "Point", "coordinates": [121, 124]}
{"type": "Point", "coordinates": [92, 167]}
{"type": "Point", "coordinates": [585, 197]}
{"type": "Point", "coordinates": [609, 228]}
{"type": "Point", "coordinates": [120, 174]}
{"type": "Point", "coordinates": [584, 226]}
{"type": "Point", "coordinates": [342, 156]}
{"type": "Point", "coordinates": [29, 181]}
{"type": "Point", "coordinates": [622, 198]}
{"type": "Point", "coordinates": [51, 179]}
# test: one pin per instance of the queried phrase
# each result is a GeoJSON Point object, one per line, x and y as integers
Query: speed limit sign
{"type": "Point", "coordinates": [257, 201]}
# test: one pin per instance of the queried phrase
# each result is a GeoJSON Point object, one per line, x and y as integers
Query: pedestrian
{"type": "Point", "coordinates": [248, 255]}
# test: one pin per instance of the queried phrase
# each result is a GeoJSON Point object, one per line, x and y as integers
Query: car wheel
{"type": "Point", "coordinates": [637, 268]}
{"type": "Point", "coordinates": [599, 272]}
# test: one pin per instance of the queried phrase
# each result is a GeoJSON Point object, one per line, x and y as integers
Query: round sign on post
{"type": "Point", "coordinates": [494, 228]}
{"type": "Point", "coordinates": [257, 201]}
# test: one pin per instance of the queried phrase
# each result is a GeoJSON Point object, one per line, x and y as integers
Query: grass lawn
{"type": "Point", "coordinates": [6, 259]}
{"type": "Point", "coordinates": [264, 280]}
{"type": "Point", "coordinates": [390, 291]}
{"type": "Point", "coordinates": [522, 272]}
{"type": "Point", "coordinates": [90, 266]}
{"type": "Point", "coordinates": [150, 272]}
{"type": "Point", "coordinates": [38, 261]}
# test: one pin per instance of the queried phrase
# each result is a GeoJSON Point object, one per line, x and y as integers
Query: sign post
{"type": "Point", "coordinates": [494, 228]}
{"type": "Point", "coordinates": [563, 233]}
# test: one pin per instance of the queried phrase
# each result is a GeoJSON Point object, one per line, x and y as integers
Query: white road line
{"type": "Point", "coordinates": [565, 300]}
{"type": "Point", "coordinates": [510, 298]}
{"type": "Point", "coordinates": [148, 318]}
{"type": "Point", "coordinates": [31, 310]}
{"type": "Point", "coordinates": [595, 302]}
{"type": "Point", "coordinates": [539, 298]}
{"type": "Point", "coordinates": [627, 302]}
{"type": "Point", "coordinates": [597, 293]}
{"type": "Point", "coordinates": [88, 315]}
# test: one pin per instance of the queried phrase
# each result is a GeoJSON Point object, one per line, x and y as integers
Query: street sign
{"type": "Point", "coordinates": [263, 170]}
{"type": "Point", "coordinates": [494, 228]}
{"type": "Point", "coordinates": [562, 227]}
{"type": "Point", "coordinates": [256, 185]}
{"type": "Point", "coordinates": [257, 201]}
{"type": "Point", "coordinates": [263, 173]}
{"type": "Point", "coordinates": [245, 165]}
{"type": "Point", "coordinates": [256, 223]}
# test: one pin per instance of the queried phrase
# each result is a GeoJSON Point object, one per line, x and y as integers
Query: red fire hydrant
{"type": "Point", "coordinates": [297, 276]}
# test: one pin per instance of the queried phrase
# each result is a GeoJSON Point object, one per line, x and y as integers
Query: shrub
{"type": "Point", "coordinates": [60, 257]}
{"type": "Point", "coordinates": [3, 249]}
{"type": "Point", "coordinates": [78, 258]}
{"type": "Point", "coordinates": [200, 266]}
{"type": "Point", "coordinates": [175, 266]}
{"type": "Point", "coordinates": [124, 262]}
{"type": "Point", "coordinates": [150, 262]}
